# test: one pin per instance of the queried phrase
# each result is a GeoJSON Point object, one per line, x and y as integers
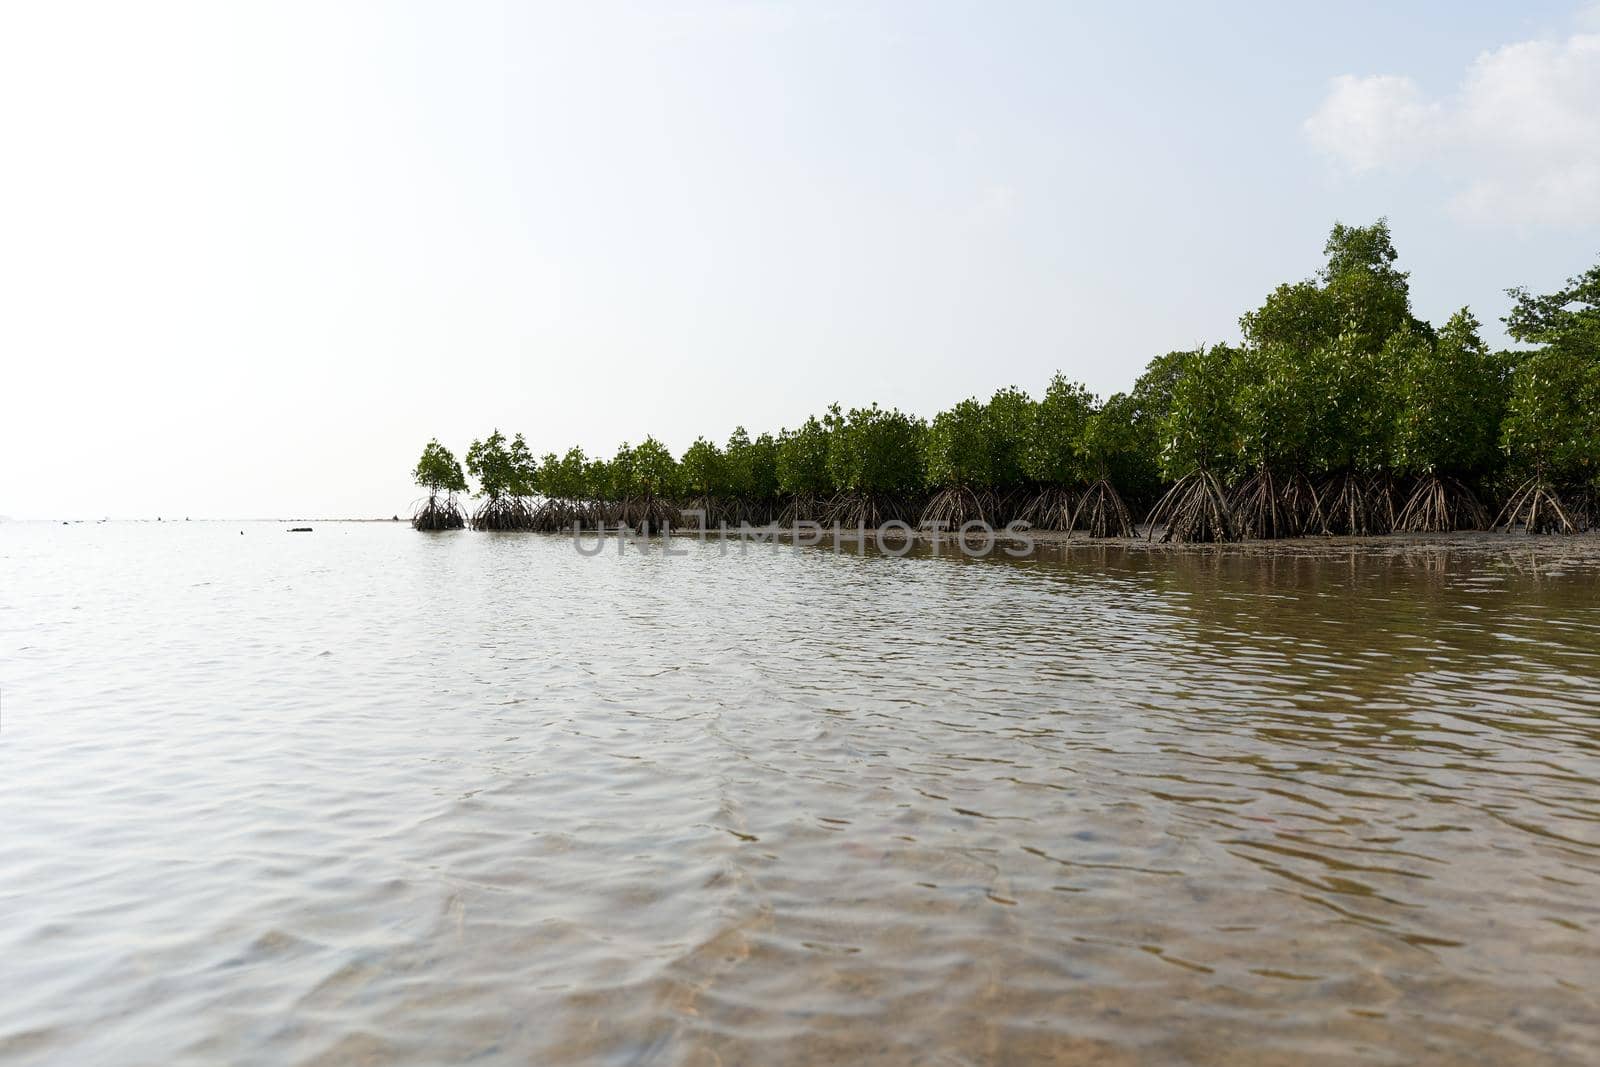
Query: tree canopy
{"type": "Point", "coordinates": [802, 465]}
{"type": "Point", "coordinates": [875, 450]}
{"type": "Point", "coordinates": [957, 447]}
{"type": "Point", "coordinates": [1056, 448]}
{"type": "Point", "coordinates": [1336, 392]}
{"type": "Point", "coordinates": [437, 471]}
{"type": "Point", "coordinates": [502, 469]}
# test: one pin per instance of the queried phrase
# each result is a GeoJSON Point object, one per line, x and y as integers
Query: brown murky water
{"type": "Point", "coordinates": [370, 796]}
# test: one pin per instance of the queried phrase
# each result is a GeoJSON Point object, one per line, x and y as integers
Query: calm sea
{"type": "Point", "coordinates": [367, 796]}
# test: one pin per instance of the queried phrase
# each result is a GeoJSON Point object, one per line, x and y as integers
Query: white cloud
{"type": "Point", "coordinates": [1372, 122]}
{"type": "Point", "coordinates": [1518, 142]}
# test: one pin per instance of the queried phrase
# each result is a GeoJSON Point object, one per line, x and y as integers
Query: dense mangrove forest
{"type": "Point", "coordinates": [1339, 413]}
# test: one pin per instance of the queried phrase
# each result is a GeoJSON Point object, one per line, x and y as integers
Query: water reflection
{"type": "Point", "coordinates": [375, 796]}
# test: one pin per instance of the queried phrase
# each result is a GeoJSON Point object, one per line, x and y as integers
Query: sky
{"type": "Point", "coordinates": [254, 255]}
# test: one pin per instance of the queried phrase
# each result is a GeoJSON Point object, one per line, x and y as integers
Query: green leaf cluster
{"type": "Point", "coordinates": [1334, 375]}
{"type": "Point", "coordinates": [438, 471]}
{"type": "Point", "coordinates": [874, 450]}
{"type": "Point", "coordinates": [1055, 451]}
{"type": "Point", "coordinates": [502, 469]}
{"type": "Point", "coordinates": [803, 459]}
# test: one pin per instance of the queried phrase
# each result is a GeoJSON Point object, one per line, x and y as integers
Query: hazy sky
{"type": "Point", "coordinates": [252, 256]}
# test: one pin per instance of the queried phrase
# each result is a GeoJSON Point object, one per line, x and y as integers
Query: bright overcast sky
{"type": "Point", "coordinates": [252, 256]}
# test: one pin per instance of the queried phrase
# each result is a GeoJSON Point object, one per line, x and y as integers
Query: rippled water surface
{"type": "Point", "coordinates": [372, 796]}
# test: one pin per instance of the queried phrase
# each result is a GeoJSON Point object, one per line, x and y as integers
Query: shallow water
{"type": "Point", "coordinates": [373, 796]}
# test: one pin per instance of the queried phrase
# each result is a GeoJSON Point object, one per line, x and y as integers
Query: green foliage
{"type": "Point", "coordinates": [1297, 318]}
{"type": "Point", "coordinates": [803, 458]}
{"type": "Point", "coordinates": [1371, 300]}
{"type": "Point", "coordinates": [1361, 249]}
{"type": "Point", "coordinates": [875, 450]}
{"type": "Point", "coordinates": [1352, 394]}
{"type": "Point", "coordinates": [619, 482]}
{"type": "Point", "coordinates": [1276, 405]}
{"type": "Point", "coordinates": [737, 455]}
{"type": "Point", "coordinates": [1316, 377]}
{"type": "Point", "coordinates": [524, 469]}
{"type": "Point", "coordinates": [956, 448]}
{"type": "Point", "coordinates": [1200, 431]}
{"type": "Point", "coordinates": [1056, 449]}
{"type": "Point", "coordinates": [597, 481]}
{"type": "Point", "coordinates": [1335, 377]}
{"type": "Point", "coordinates": [1448, 400]}
{"type": "Point", "coordinates": [1552, 419]}
{"type": "Point", "coordinates": [1152, 393]}
{"type": "Point", "coordinates": [1552, 422]}
{"type": "Point", "coordinates": [762, 468]}
{"type": "Point", "coordinates": [652, 472]}
{"type": "Point", "coordinates": [704, 469]}
{"type": "Point", "coordinates": [564, 478]}
{"type": "Point", "coordinates": [501, 470]}
{"type": "Point", "coordinates": [1571, 314]}
{"type": "Point", "coordinates": [437, 471]}
{"type": "Point", "coordinates": [1120, 445]}
{"type": "Point", "coordinates": [752, 466]}
{"type": "Point", "coordinates": [1010, 416]}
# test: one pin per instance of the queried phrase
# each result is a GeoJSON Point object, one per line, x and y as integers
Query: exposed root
{"type": "Point", "coordinates": [1441, 505]}
{"type": "Point", "coordinates": [1358, 506]}
{"type": "Point", "coordinates": [436, 514]}
{"type": "Point", "coordinates": [558, 515]}
{"type": "Point", "coordinates": [647, 514]}
{"type": "Point", "coordinates": [870, 510]}
{"type": "Point", "coordinates": [1583, 507]}
{"type": "Point", "coordinates": [503, 513]}
{"type": "Point", "coordinates": [1262, 509]}
{"type": "Point", "coordinates": [1194, 509]}
{"type": "Point", "coordinates": [956, 506]}
{"type": "Point", "coordinates": [1537, 509]}
{"type": "Point", "coordinates": [1305, 504]}
{"type": "Point", "coordinates": [715, 510]}
{"type": "Point", "coordinates": [1384, 491]}
{"type": "Point", "coordinates": [802, 507]}
{"type": "Point", "coordinates": [1051, 508]}
{"type": "Point", "coordinates": [1010, 506]}
{"type": "Point", "coordinates": [1101, 513]}
{"type": "Point", "coordinates": [754, 511]}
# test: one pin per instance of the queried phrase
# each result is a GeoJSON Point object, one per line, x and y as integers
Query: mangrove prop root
{"type": "Point", "coordinates": [758, 511]}
{"type": "Point", "coordinates": [1537, 509]}
{"type": "Point", "coordinates": [1052, 508]}
{"type": "Point", "coordinates": [558, 515]}
{"type": "Point", "coordinates": [1262, 509]}
{"type": "Point", "coordinates": [1100, 512]}
{"type": "Point", "coordinates": [1010, 507]}
{"type": "Point", "coordinates": [752, 510]}
{"type": "Point", "coordinates": [956, 506]}
{"type": "Point", "coordinates": [869, 510]}
{"type": "Point", "coordinates": [1305, 504]}
{"type": "Point", "coordinates": [714, 511]}
{"type": "Point", "coordinates": [1358, 506]}
{"type": "Point", "coordinates": [436, 514]}
{"type": "Point", "coordinates": [802, 507]}
{"type": "Point", "coordinates": [503, 513]}
{"type": "Point", "coordinates": [1194, 509]}
{"type": "Point", "coordinates": [1441, 505]}
{"type": "Point", "coordinates": [647, 514]}
{"type": "Point", "coordinates": [1584, 508]}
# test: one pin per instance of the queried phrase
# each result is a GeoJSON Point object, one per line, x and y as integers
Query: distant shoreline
{"type": "Point", "coordinates": [179, 522]}
{"type": "Point", "coordinates": [786, 534]}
